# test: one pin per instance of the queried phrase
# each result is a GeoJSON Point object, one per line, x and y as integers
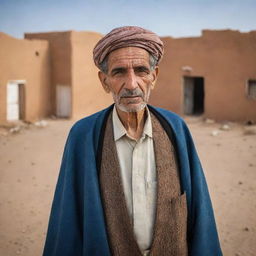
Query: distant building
{"type": "Point", "coordinates": [49, 74]}
{"type": "Point", "coordinates": [53, 74]}
{"type": "Point", "coordinates": [24, 79]}
{"type": "Point", "coordinates": [213, 75]}
{"type": "Point", "coordinates": [74, 77]}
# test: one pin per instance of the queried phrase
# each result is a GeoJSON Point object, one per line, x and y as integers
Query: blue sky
{"type": "Point", "coordinates": [166, 17]}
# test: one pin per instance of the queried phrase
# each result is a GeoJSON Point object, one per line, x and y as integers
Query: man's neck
{"type": "Point", "coordinates": [133, 122]}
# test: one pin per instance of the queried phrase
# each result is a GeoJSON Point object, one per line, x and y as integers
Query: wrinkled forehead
{"type": "Point", "coordinates": [127, 56]}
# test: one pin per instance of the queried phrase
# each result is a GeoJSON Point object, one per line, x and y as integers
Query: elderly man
{"type": "Point", "coordinates": [131, 183]}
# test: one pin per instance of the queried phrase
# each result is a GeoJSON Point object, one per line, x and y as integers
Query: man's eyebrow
{"type": "Point", "coordinates": [141, 67]}
{"type": "Point", "coordinates": [123, 69]}
{"type": "Point", "coordinates": [118, 69]}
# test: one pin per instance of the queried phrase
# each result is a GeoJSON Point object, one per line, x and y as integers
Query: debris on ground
{"type": "Point", "coordinates": [19, 126]}
{"type": "Point", "coordinates": [209, 121]}
{"type": "Point", "coordinates": [15, 129]}
{"type": "Point", "coordinates": [41, 123]}
{"type": "Point", "coordinates": [250, 122]}
{"type": "Point", "coordinates": [215, 133]}
{"type": "Point", "coordinates": [225, 127]}
{"type": "Point", "coordinates": [250, 130]}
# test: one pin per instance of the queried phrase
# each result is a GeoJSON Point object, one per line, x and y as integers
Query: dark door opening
{"type": "Point", "coordinates": [22, 101]}
{"type": "Point", "coordinates": [193, 95]}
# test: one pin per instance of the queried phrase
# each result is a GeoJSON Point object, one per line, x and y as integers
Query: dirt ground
{"type": "Point", "coordinates": [29, 166]}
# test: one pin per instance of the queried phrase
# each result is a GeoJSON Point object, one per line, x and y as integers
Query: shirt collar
{"type": "Point", "coordinates": [120, 131]}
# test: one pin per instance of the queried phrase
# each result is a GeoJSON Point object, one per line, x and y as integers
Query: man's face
{"type": "Point", "coordinates": [129, 78]}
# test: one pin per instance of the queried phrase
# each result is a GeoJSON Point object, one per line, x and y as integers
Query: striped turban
{"type": "Point", "coordinates": [128, 36]}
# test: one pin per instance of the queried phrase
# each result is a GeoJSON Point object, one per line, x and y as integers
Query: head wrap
{"type": "Point", "coordinates": [128, 36]}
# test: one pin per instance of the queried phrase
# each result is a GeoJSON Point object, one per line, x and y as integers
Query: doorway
{"type": "Point", "coordinates": [193, 95]}
{"type": "Point", "coordinates": [15, 100]}
{"type": "Point", "coordinates": [63, 101]}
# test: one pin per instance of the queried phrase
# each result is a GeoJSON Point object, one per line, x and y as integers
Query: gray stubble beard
{"type": "Point", "coordinates": [135, 92]}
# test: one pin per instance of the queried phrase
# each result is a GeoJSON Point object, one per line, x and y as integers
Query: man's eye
{"type": "Point", "coordinates": [142, 70]}
{"type": "Point", "coordinates": [118, 71]}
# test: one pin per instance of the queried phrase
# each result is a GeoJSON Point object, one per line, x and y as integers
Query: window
{"type": "Point", "coordinates": [251, 89]}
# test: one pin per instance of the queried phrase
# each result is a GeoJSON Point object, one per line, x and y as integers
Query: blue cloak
{"type": "Point", "coordinates": [77, 226]}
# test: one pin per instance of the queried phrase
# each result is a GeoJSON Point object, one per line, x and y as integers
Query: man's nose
{"type": "Point", "coordinates": [131, 80]}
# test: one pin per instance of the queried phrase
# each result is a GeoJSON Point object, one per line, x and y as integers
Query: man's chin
{"type": "Point", "coordinates": [131, 107]}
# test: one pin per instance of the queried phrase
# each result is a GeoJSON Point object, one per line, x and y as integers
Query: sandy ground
{"type": "Point", "coordinates": [29, 166]}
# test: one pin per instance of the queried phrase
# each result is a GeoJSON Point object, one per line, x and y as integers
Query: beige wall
{"type": "Point", "coordinates": [88, 95]}
{"type": "Point", "coordinates": [72, 65]}
{"type": "Point", "coordinates": [60, 50]}
{"type": "Point", "coordinates": [226, 60]}
{"type": "Point", "coordinates": [19, 61]}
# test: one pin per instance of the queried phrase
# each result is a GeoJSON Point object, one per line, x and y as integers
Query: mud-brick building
{"type": "Point", "coordinates": [45, 74]}
{"type": "Point", "coordinates": [49, 74]}
{"type": "Point", "coordinates": [24, 79]}
{"type": "Point", "coordinates": [76, 90]}
{"type": "Point", "coordinates": [213, 75]}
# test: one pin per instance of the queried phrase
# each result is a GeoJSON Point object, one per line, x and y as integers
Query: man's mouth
{"type": "Point", "coordinates": [131, 96]}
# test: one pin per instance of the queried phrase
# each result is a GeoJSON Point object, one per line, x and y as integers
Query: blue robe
{"type": "Point", "coordinates": [77, 225]}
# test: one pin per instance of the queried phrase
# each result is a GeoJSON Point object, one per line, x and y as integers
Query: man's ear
{"type": "Point", "coordinates": [154, 77]}
{"type": "Point", "coordinates": [103, 79]}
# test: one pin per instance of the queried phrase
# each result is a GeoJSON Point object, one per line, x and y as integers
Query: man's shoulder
{"type": "Point", "coordinates": [89, 122]}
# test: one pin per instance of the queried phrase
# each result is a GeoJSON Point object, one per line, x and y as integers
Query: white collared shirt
{"type": "Point", "coordinates": [138, 173]}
